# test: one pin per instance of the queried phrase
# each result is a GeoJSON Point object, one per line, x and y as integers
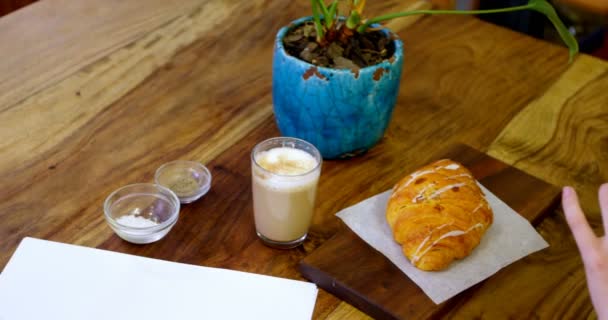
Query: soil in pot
{"type": "Point", "coordinates": [345, 49]}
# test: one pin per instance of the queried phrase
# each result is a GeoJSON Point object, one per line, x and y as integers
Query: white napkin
{"type": "Point", "coordinates": [55, 281]}
{"type": "Point", "coordinates": [510, 238]}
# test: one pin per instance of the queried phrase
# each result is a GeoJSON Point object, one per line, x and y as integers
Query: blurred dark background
{"type": "Point", "coordinates": [586, 19]}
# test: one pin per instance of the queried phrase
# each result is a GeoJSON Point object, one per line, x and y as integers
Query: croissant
{"type": "Point", "coordinates": [438, 214]}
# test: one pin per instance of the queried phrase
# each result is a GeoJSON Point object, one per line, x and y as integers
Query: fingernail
{"type": "Point", "coordinates": [567, 191]}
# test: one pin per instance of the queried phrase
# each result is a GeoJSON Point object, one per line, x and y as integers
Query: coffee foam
{"type": "Point", "coordinates": [286, 161]}
{"type": "Point", "coordinates": [292, 168]}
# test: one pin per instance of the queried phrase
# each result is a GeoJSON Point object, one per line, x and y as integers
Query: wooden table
{"type": "Point", "coordinates": [599, 7]}
{"type": "Point", "coordinates": [97, 94]}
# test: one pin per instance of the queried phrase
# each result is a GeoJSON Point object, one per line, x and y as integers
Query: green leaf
{"type": "Point", "coordinates": [330, 14]}
{"type": "Point", "coordinates": [353, 20]}
{"type": "Point", "coordinates": [321, 4]}
{"type": "Point", "coordinates": [328, 18]}
{"type": "Point", "coordinates": [317, 20]}
{"type": "Point", "coordinates": [545, 8]}
{"type": "Point", "coordinates": [389, 16]}
{"type": "Point", "coordinates": [358, 6]}
{"type": "Point", "coordinates": [541, 6]}
{"type": "Point", "coordinates": [333, 8]}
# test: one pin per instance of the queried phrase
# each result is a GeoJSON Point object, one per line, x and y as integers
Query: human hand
{"type": "Point", "coordinates": [593, 249]}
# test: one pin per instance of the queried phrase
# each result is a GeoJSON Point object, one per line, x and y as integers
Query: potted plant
{"type": "Point", "coordinates": [336, 77]}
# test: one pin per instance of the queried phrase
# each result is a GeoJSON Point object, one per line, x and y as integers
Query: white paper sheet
{"type": "Point", "coordinates": [510, 238]}
{"type": "Point", "coordinates": [55, 281]}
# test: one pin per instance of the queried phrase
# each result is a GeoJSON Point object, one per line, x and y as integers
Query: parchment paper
{"type": "Point", "coordinates": [510, 238]}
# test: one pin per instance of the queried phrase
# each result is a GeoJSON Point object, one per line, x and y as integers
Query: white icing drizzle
{"type": "Point", "coordinates": [444, 189]}
{"type": "Point", "coordinates": [453, 233]}
{"type": "Point", "coordinates": [429, 237]}
{"type": "Point", "coordinates": [416, 175]}
{"type": "Point", "coordinates": [478, 207]}
{"type": "Point", "coordinates": [421, 193]}
{"type": "Point", "coordinates": [442, 160]}
{"type": "Point", "coordinates": [452, 166]}
{"type": "Point", "coordinates": [459, 175]}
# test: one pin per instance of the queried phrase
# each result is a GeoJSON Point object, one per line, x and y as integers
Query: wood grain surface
{"type": "Point", "coordinates": [97, 94]}
{"type": "Point", "coordinates": [599, 7]}
{"type": "Point", "coordinates": [348, 267]}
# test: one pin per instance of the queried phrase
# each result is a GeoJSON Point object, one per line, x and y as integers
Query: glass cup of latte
{"type": "Point", "coordinates": [285, 173]}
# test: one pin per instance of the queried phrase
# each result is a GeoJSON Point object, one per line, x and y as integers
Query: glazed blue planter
{"type": "Point", "coordinates": [341, 112]}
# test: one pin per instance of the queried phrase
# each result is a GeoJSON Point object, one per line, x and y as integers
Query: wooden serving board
{"type": "Point", "coordinates": [350, 269]}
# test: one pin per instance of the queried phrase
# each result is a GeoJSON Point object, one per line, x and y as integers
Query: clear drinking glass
{"type": "Point", "coordinates": [285, 173]}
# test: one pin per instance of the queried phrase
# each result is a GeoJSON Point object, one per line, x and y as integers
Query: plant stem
{"type": "Point", "coordinates": [331, 13]}
{"type": "Point", "coordinates": [323, 7]}
{"type": "Point", "coordinates": [364, 26]}
{"type": "Point", "coordinates": [317, 19]}
{"type": "Point", "coordinates": [541, 6]}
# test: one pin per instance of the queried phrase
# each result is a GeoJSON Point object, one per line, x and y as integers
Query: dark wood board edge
{"type": "Point", "coordinates": [327, 283]}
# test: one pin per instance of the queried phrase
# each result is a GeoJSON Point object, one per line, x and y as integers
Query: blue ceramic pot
{"type": "Point", "coordinates": [342, 113]}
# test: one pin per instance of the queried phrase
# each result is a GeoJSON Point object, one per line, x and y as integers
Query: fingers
{"type": "Point", "coordinates": [583, 234]}
{"type": "Point", "coordinates": [603, 195]}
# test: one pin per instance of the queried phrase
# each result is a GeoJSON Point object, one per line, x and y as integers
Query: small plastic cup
{"type": "Point", "coordinates": [190, 180]}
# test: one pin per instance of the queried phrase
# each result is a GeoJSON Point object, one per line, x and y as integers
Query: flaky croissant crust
{"type": "Point", "coordinates": [438, 213]}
